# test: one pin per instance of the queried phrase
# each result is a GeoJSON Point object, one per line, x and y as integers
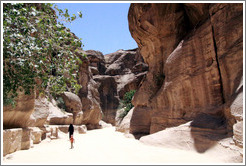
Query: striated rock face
{"type": "Point", "coordinates": [115, 74]}
{"type": "Point", "coordinates": [195, 58]}
{"type": "Point", "coordinates": [89, 94]}
{"type": "Point", "coordinates": [108, 97]}
{"type": "Point", "coordinates": [19, 116]}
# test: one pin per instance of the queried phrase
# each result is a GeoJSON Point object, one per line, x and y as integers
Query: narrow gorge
{"type": "Point", "coordinates": [187, 72]}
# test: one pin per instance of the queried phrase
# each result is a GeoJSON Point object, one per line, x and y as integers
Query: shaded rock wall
{"type": "Point", "coordinates": [195, 58]}
{"type": "Point", "coordinates": [19, 116]}
{"type": "Point", "coordinates": [115, 74]}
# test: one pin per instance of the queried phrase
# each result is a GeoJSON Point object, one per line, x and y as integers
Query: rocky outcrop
{"type": "Point", "coordinates": [225, 146]}
{"type": "Point", "coordinates": [74, 106]}
{"type": "Point", "coordinates": [19, 116]}
{"type": "Point", "coordinates": [58, 117]}
{"type": "Point", "coordinates": [116, 74]}
{"type": "Point", "coordinates": [124, 125]}
{"type": "Point", "coordinates": [41, 112]}
{"type": "Point", "coordinates": [96, 62]}
{"type": "Point", "coordinates": [88, 94]}
{"type": "Point", "coordinates": [195, 58]}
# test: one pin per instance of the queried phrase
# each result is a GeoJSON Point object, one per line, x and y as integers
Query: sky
{"type": "Point", "coordinates": [103, 27]}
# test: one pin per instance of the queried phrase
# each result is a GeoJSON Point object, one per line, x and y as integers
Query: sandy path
{"type": "Point", "coordinates": [102, 146]}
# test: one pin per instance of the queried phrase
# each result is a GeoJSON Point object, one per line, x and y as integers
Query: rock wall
{"type": "Point", "coordinates": [19, 116]}
{"type": "Point", "coordinates": [195, 58]}
{"type": "Point", "coordinates": [115, 74]}
{"type": "Point", "coordinates": [89, 94]}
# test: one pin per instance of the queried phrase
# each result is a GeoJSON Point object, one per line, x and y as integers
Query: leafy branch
{"type": "Point", "coordinates": [36, 47]}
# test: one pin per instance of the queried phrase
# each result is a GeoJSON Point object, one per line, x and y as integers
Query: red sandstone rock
{"type": "Point", "coordinates": [195, 58]}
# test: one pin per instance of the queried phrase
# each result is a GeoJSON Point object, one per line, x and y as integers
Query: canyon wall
{"type": "Point", "coordinates": [195, 58]}
{"type": "Point", "coordinates": [115, 74]}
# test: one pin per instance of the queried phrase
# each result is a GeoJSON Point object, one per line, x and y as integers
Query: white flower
{"type": "Point", "coordinates": [33, 30]}
{"type": "Point", "coordinates": [58, 26]}
{"type": "Point", "coordinates": [33, 13]}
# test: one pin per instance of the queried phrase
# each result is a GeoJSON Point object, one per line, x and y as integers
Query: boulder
{"type": "Point", "coordinates": [11, 140]}
{"type": "Point", "coordinates": [72, 102]}
{"type": "Point", "coordinates": [74, 106]}
{"type": "Point", "coordinates": [41, 112]}
{"type": "Point", "coordinates": [124, 125]}
{"type": "Point", "coordinates": [81, 129]}
{"type": "Point", "coordinates": [63, 128]}
{"type": "Point", "coordinates": [26, 139]}
{"type": "Point", "coordinates": [52, 131]}
{"type": "Point", "coordinates": [205, 141]}
{"type": "Point", "coordinates": [104, 124]}
{"type": "Point", "coordinates": [36, 135]}
{"type": "Point", "coordinates": [58, 117]}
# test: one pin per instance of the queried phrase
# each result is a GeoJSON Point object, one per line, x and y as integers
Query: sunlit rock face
{"type": "Point", "coordinates": [88, 94]}
{"type": "Point", "coordinates": [195, 58]}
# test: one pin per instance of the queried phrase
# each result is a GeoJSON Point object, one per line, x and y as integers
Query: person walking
{"type": "Point", "coordinates": [72, 141]}
{"type": "Point", "coordinates": [71, 130]}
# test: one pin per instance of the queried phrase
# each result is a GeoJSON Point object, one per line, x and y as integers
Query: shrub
{"type": "Point", "coordinates": [127, 103]}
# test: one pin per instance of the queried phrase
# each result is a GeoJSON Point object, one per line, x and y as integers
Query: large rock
{"type": "Point", "coordinates": [89, 94]}
{"type": "Point", "coordinates": [11, 140]}
{"type": "Point", "coordinates": [124, 62]}
{"type": "Point", "coordinates": [97, 62]}
{"type": "Point", "coordinates": [74, 106]}
{"type": "Point", "coordinates": [72, 102]}
{"type": "Point", "coordinates": [58, 117]}
{"type": "Point", "coordinates": [19, 115]}
{"type": "Point", "coordinates": [41, 112]}
{"type": "Point", "coordinates": [26, 139]}
{"type": "Point", "coordinates": [124, 125]}
{"type": "Point", "coordinates": [36, 135]}
{"type": "Point", "coordinates": [81, 129]}
{"type": "Point", "coordinates": [205, 141]}
{"type": "Point", "coordinates": [195, 58]}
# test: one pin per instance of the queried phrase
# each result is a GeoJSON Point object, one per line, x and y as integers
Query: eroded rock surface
{"type": "Point", "coordinates": [195, 58]}
{"type": "Point", "coordinates": [115, 74]}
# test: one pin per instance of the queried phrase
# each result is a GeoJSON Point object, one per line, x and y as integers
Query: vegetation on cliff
{"type": "Point", "coordinates": [38, 51]}
{"type": "Point", "coordinates": [127, 102]}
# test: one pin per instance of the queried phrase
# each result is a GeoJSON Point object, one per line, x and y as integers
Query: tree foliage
{"type": "Point", "coordinates": [38, 51]}
{"type": "Point", "coordinates": [127, 102]}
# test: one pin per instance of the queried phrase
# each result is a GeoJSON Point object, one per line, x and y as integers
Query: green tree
{"type": "Point", "coordinates": [127, 102]}
{"type": "Point", "coordinates": [37, 48]}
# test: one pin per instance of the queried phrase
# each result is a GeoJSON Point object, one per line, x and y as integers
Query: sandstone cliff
{"type": "Point", "coordinates": [115, 74]}
{"type": "Point", "coordinates": [195, 58]}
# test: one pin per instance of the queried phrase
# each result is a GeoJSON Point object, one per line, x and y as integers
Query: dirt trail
{"type": "Point", "coordinates": [103, 146]}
